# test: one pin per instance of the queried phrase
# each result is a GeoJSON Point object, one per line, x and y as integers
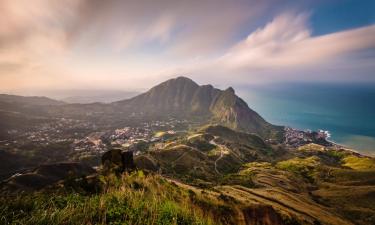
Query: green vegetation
{"type": "Point", "coordinates": [359, 163]}
{"type": "Point", "coordinates": [305, 167]}
{"type": "Point", "coordinates": [355, 177]}
{"type": "Point", "coordinates": [311, 147]}
{"type": "Point", "coordinates": [337, 155]}
{"type": "Point", "coordinates": [265, 165]}
{"type": "Point", "coordinates": [200, 141]}
{"type": "Point", "coordinates": [238, 179]}
{"type": "Point", "coordinates": [130, 199]}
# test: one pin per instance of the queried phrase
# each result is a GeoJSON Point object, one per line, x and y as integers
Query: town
{"type": "Point", "coordinates": [85, 141]}
{"type": "Point", "coordinates": [295, 138]}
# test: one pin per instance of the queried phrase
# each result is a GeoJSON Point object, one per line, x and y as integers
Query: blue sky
{"type": "Point", "coordinates": [132, 45]}
{"type": "Point", "coordinates": [333, 16]}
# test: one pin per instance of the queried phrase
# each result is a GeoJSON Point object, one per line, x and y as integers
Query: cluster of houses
{"type": "Point", "coordinates": [59, 130]}
{"type": "Point", "coordinates": [130, 138]}
{"type": "Point", "coordinates": [296, 138]}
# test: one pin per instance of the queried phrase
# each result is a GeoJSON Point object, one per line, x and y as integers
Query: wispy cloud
{"type": "Point", "coordinates": [130, 44]}
{"type": "Point", "coordinates": [284, 49]}
{"type": "Point", "coordinates": [287, 42]}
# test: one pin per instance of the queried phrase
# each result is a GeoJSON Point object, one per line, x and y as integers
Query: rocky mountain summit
{"type": "Point", "coordinates": [183, 97]}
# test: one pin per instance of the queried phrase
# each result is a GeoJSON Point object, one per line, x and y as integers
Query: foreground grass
{"type": "Point", "coordinates": [133, 199]}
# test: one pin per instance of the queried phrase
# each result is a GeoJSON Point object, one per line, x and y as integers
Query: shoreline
{"type": "Point", "coordinates": [293, 134]}
{"type": "Point", "coordinates": [347, 148]}
{"type": "Point", "coordinates": [343, 146]}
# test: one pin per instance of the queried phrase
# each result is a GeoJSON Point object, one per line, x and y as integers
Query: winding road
{"type": "Point", "coordinates": [221, 147]}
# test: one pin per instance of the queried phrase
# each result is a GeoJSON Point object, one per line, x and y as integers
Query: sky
{"type": "Point", "coordinates": [133, 45]}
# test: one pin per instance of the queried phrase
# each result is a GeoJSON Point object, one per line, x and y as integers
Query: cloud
{"type": "Point", "coordinates": [22, 20]}
{"type": "Point", "coordinates": [287, 42]}
{"type": "Point", "coordinates": [180, 27]}
{"type": "Point", "coordinates": [33, 32]}
{"type": "Point", "coordinates": [158, 31]}
{"type": "Point", "coordinates": [78, 39]}
{"type": "Point", "coordinates": [284, 49]}
{"type": "Point", "coordinates": [125, 43]}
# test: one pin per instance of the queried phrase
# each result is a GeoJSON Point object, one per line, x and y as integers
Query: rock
{"type": "Point", "coordinates": [118, 161]}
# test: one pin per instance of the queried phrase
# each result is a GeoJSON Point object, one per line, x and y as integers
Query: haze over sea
{"type": "Point", "coordinates": [347, 111]}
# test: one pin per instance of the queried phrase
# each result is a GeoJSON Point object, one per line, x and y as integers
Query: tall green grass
{"type": "Point", "coordinates": [130, 199]}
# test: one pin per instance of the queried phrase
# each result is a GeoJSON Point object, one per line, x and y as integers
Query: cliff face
{"type": "Point", "coordinates": [230, 110]}
{"type": "Point", "coordinates": [184, 98]}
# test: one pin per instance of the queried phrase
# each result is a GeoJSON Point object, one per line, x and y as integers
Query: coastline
{"type": "Point", "coordinates": [346, 148]}
{"type": "Point", "coordinates": [296, 138]}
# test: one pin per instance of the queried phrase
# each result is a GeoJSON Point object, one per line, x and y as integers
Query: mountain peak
{"type": "Point", "coordinates": [230, 89]}
{"type": "Point", "coordinates": [182, 80]}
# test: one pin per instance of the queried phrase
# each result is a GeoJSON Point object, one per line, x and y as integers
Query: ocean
{"type": "Point", "coordinates": [347, 111]}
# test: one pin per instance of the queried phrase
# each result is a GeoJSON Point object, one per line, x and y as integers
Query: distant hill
{"type": "Point", "coordinates": [99, 96]}
{"type": "Point", "coordinates": [28, 100]}
{"type": "Point", "coordinates": [19, 112]}
{"type": "Point", "coordinates": [28, 106]}
{"type": "Point", "coordinates": [184, 98]}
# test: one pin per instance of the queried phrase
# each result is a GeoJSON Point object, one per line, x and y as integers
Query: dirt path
{"type": "Point", "coordinates": [221, 154]}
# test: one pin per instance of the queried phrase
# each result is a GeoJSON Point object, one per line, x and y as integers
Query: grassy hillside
{"type": "Point", "coordinates": [136, 199]}
{"type": "Point", "coordinates": [133, 198]}
{"type": "Point", "coordinates": [213, 175]}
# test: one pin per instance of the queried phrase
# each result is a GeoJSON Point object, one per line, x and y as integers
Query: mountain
{"type": "Point", "coordinates": [28, 100]}
{"type": "Point", "coordinates": [182, 97]}
{"type": "Point", "coordinates": [21, 112]}
{"type": "Point", "coordinates": [98, 96]}
{"type": "Point", "coordinates": [28, 105]}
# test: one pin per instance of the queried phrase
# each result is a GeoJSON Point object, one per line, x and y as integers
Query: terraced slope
{"type": "Point", "coordinates": [310, 185]}
{"type": "Point", "coordinates": [212, 175]}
